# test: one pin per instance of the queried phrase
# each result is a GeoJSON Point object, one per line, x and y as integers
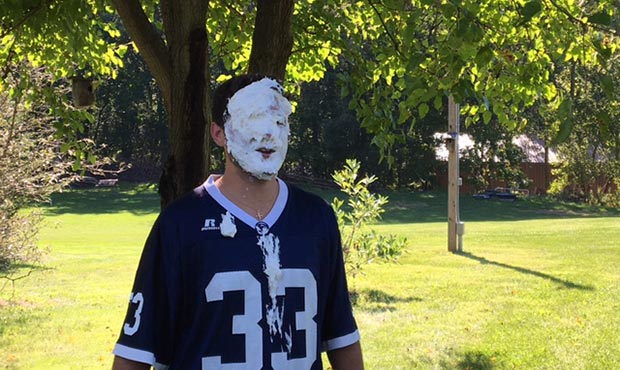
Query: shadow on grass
{"type": "Point", "coordinates": [15, 272]}
{"type": "Point", "coordinates": [458, 360]}
{"type": "Point", "coordinates": [373, 300]}
{"type": "Point", "coordinates": [565, 283]}
{"type": "Point", "coordinates": [137, 199]}
{"type": "Point", "coordinates": [475, 361]}
{"type": "Point", "coordinates": [18, 314]}
{"type": "Point", "coordinates": [409, 207]}
{"type": "Point", "coordinates": [403, 207]}
{"type": "Point", "coordinates": [18, 271]}
{"type": "Point", "coordinates": [472, 360]}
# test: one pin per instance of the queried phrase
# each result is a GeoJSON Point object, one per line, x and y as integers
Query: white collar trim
{"type": "Point", "coordinates": [240, 214]}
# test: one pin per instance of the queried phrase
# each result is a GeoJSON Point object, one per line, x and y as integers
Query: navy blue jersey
{"type": "Point", "coordinates": [217, 289]}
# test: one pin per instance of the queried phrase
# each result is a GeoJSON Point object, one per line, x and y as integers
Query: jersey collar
{"type": "Point", "coordinates": [240, 214]}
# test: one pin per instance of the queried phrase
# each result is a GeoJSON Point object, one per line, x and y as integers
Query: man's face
{"type": "Point", "coordinates": [257, 129]}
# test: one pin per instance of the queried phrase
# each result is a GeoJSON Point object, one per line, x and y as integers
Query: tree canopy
{"type": "Point", "coordinates": [399, 59]}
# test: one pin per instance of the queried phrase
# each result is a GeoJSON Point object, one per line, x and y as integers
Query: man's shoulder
{"type": "Point", "coordinates": [187, 204]}
{"type": "Point", "coordinates": [310, 206]}
{"type": "Point", "coordinates": [307, 198]}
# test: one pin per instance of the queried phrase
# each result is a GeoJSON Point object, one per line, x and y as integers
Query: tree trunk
{"type": "Point", "coordinates": [272, 40]}
{"type": "Point", "coordinates": [180, 65]}
{"type": "Point", "coordinates": [187, 163]}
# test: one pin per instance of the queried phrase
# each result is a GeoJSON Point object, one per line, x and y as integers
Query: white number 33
{"type": "Point", "coordinates": [247, 323]}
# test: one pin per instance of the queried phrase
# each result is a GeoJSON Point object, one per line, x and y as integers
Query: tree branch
{"type": "Point", "coordinates": [392, 38]}
{"type": "Point", "coordinates": [576, 20]}
{"type": "Point", "coordinates": [152, 47]}
{"type": "Point", "coordinates": [272, 39]}
{"type": "Point", "coordinates": [11, 130]}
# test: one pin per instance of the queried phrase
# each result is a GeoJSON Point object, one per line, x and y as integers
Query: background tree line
{"type": "Point", "coordinates": [131, 121]}
{"type": "Point", "coordinates": [401, 57]}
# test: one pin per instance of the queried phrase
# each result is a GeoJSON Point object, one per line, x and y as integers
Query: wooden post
{"type": "Point", "coordinates": [455, 226]}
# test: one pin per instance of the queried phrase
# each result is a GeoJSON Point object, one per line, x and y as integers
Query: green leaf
{"type": "Point", "coordinates": [529, 10]}
{"type": "Point", "coordinates": [604, 119]}
{"type": "Point", "coordinates": [423, 110]}
{"type": "Point", "coordinates": [604, 51]}
{"type": "Point", "coordinates": [462, 26]}
{"type": "Point", "coordinates": [607, 83]}
{"type": "Point", "coordinates": [486, 116]}
{"type": "Point", "coordinates": [602, 18]}
{"type": "Point", "coordinates": [403, 113]}
{"type": "Point", "coordinates": [565, 108]}
{"type": "Point", "coordinates": [92, 158]}
{"type": "Point", "coordinates": [438, 102]}
{"type": "Point", "coordinates": [566, 126]}
{"type": "Point", "coordinates": [566, 121]}
{"type": "Point", "coordinates": [484, 55]}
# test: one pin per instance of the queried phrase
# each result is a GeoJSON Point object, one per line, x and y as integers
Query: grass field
{"type": "Point", "coordinates": [537, 286]}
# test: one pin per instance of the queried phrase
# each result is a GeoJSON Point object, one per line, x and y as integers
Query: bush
{"type": "Point", "coordinates": [32, 162]}
{"type": "Point", "coordinates": [361, 244]}
{"type": "Point", "coordinates": [587, 175]}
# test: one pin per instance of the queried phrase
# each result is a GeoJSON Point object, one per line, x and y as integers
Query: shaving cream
{"type": "Point", "coordinates": [270, 246]}
{"type": "Point", "coordinates": [227, 226]}
{"type": "Point", "coordinates": [257, 128]}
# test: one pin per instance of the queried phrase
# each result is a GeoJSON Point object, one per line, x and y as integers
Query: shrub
{"type": "Point", "coordinates": [587, 175]}
{"type": "Point", "coordinates": [361, 244]}
{"type": "Point", "coordinates": [33, 163]}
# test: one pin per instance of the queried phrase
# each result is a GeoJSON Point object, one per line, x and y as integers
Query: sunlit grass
{"type": "Point", "coordinates": [524, 295]}
{"type": "Point", "coordinates": [537, 286]}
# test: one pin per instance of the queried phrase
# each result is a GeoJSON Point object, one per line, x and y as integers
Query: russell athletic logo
{"type": "Point", "coordinates": [209, 225]}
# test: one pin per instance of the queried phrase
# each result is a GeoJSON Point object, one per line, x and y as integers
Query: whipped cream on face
{"type": "Point", "coordinates": [257, 128]}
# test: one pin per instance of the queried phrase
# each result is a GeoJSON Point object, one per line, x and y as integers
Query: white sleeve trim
{"type": "Point", "coordinates": [134, 354]}
{"type": "Point", "coordinates": [341, 342]}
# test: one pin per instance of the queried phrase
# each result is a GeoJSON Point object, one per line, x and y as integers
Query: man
{"type": "Point", "coordinates": [246, 272]}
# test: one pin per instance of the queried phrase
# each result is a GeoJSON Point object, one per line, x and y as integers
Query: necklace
{"type": "Point", "coordinates": [261, 227]}
{"type": "Point", "coordinates": [258, 208]}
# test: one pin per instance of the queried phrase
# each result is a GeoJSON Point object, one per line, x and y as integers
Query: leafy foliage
{"type": "Point", "coordinates": [397, 60]}
{"type": "Point", "coordinates": [361, 244]}
{"type": "Point", "coordinates": [585, 177]}
{"type": "Point", "coordinates": [66, 39]}
{"type": "Point", "coordinates": [131, 120]}
{"type": "Point", "coordinates": [325, 132]}
{"type": "Point", "coordinates": [590, 157]}
{"type": "Point", "coordinates": [32, 162]}
{"type": "Point", "coordinates": [495, 57]}
{"type": "Point", "coordinates": [493, 157]}
{"type": "Point", "coordinates": [30, 168]}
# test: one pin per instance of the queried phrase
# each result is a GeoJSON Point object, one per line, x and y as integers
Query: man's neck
{"type": "Point", "coordinates": [256, 197]}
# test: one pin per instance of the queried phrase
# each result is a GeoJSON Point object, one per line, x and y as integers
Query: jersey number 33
{"type": "Point", "coordinates": [247, 324]}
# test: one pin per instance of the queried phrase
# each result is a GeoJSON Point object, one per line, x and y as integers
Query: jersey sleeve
{"type": "Point", "coordinates": [339, 326]}
{"type": "Point", "coordinates": [149, 324]}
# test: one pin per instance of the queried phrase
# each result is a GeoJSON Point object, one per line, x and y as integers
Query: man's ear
{"type": "Point", "coordinates": [218, 134]}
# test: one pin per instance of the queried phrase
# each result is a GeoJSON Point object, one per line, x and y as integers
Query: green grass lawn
{"type": "Point", "coordinates": [537, 287]}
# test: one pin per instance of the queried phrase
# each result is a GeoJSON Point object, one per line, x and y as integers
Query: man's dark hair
{"type": "Point", "coordinates": [225, 91]}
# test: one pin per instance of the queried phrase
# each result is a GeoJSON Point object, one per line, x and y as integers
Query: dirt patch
{"type": "Point", "coordinates": [4, 303]}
